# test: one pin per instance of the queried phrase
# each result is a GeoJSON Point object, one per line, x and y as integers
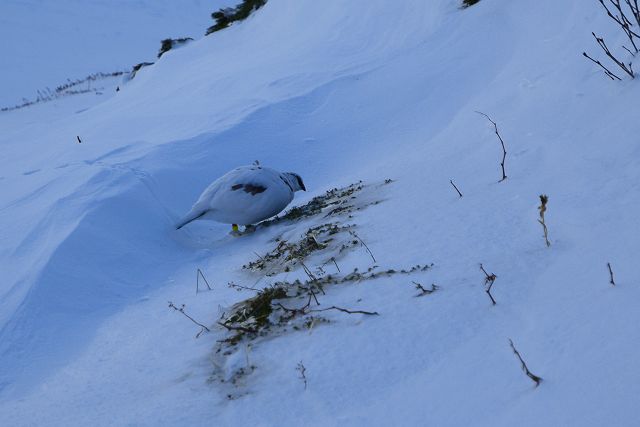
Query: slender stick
{"type": "Point", "coordinates": [536, 379]}
{"type": "Point", "coordinates": [613, 283]}
{"type": "Point", "coordinates": [488, 281]}
{"type": "Point", "coordinates": [620, 64]}
{"type": "Point", "coordinates": [181, 310]}
{"type": "Point", "coordinates": [454, 186]}
{"type": "Point", "coordinates": [344, 310]}
{"type": "Point", "coordinates": [364, 244]}
{"type": "Point", "coordinates": [504, 150]}
{"type": "Point", "coordinates": [198, 274]}
{"type": "Point", "coordinates": [606, 70]}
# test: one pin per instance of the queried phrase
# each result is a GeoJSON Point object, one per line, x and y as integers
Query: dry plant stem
{"type": "Point", "coordinates": [424, 291]}
{"type": "Point", "coordinates": [344, 310]}
{"type": "Point", "coordinates": [364, 244]}
{"type": "Point", "coordinates": [488, 281]}
{"type": "Point", "coordinates": [454, 186]}
{"type": "Point", "coordinates": [504, 150]}
{"type": "Point", "coordinates": [181, 310]}
{"type": "Point", "coordinates": [606, 70]}
{"type": "Point", "coordinates": [536, 379]}
{"type": "Point", "coordinates": [198, 275]}
{"type": "Point", "coordinates": [543, 208]}
{"type": "Point", "coordinates": [301, 368]}
{"type": "Point", "coordinates": [237, 328]}
{"type": "Point", "coordinates": [613, 283]}
{"type": "Point", "coordinates": [336, 264]}
{"type": "Point", "coordinates": [240, 287]}
{"type": "Point", "coordinates": [620, 64]}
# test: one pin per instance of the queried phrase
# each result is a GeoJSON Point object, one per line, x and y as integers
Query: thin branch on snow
{"type": "Point", "coordinates": [181, 310]}
{"type": "Point", "coordinates": [454, 186]}
{"type": "Point", "coordinates": [306, 309]}
{"type": "Point", "coordinates": [302, 370]}
{"type": "Point", "coordinates": [237, 287]}
{"type": "Point", "coordinates": [424, 291]}
{"type": "Point", "coordinates": [622, 20]}
{"type": "Point", "coordinates": [543, 208]}
{"type": "Point", "coordinates": [504, 150]}
{"type": "Point", "coordinates": [605, 48]}
{"type": "Point", "coordinates": [199, 274]}
{"type": "Point", "coordinates": [536, 379]}
{"type": "Point", "coordinates": [237, 328]}
{"type": "Point", "coordinates": [613, 283]}
{"type": "Point", "coordinates": [488, 282]}
{"type": "Point", "coordinates": [606, 70]}
{"type": "Point", "coordinates": [353, 233]}
{"type": "Point", "coordinates": [344, 310]}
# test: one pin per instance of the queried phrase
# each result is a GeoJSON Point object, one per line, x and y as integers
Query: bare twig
{"type": "Point", "coordinates": [198, 275]}
{"type": "Point", "coordinates": [536, 379]}
{"type": "Point", "coordinates": [353, 233]}
{"type": "Point", "coordinates": [488, 282]}
{"type": "Point", "coordinates": [504, 150]}
{"type": "Point", "coordinates": [344, 310]}
{"type": "Point", "coordinates": [454, 186]}
{"type": "Point", "coordinates": [336, 264]}
{"type": "Point", "coordinates": [306, 269]}
{"type": "Point", "coordinates": [237, 287]}
{"type": "Point", "coordinates": [301, 368]}
{"type": "Point", "coordinates": [606, 70]}
{"type": "Point", "coordinates": [424, 291]}
{"type": "Point", "coordinates": [622, 19]}
{"type": "Point", "coordinates": [237, 328]}
{"type": "Point", "coordinates": [613, 283]}
{"type": "Point", "coordinates": [622, 65]}
{"type": "Point", "coordinates": [543, 208]}
{"type": "Point", "coordinates": [181, 310]}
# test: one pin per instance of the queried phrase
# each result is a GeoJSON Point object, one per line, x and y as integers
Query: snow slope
{"type": "Point", "coordinates": [336, 91]}
{"type": "Point", "coordinates": [47, 42]}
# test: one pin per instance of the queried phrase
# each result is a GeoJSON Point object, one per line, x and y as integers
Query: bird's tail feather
{"type": "Point", "coordinates": [192, 216]}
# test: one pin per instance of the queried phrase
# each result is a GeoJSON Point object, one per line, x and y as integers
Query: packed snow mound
{"type": "Point", "coordinates": [339, 92]}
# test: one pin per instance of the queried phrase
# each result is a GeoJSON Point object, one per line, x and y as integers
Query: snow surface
{"type": "Point", "coordinates": [337, 92]}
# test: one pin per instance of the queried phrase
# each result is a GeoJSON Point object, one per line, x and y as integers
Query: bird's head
{"type": "Point", "coordinates": [295, 181]}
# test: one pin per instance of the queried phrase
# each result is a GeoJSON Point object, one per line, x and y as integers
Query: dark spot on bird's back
{"type": "Point", "coordinates": [254, 189]}
{"type": "Point", "coordinates": [236, 187]}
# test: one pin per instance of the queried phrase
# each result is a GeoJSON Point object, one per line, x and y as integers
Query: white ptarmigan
{"type": "Point", "coordinates": [245, 195]}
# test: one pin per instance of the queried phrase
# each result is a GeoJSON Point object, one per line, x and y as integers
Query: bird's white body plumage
{"type": "Point", "coordinates": [246, 195]}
